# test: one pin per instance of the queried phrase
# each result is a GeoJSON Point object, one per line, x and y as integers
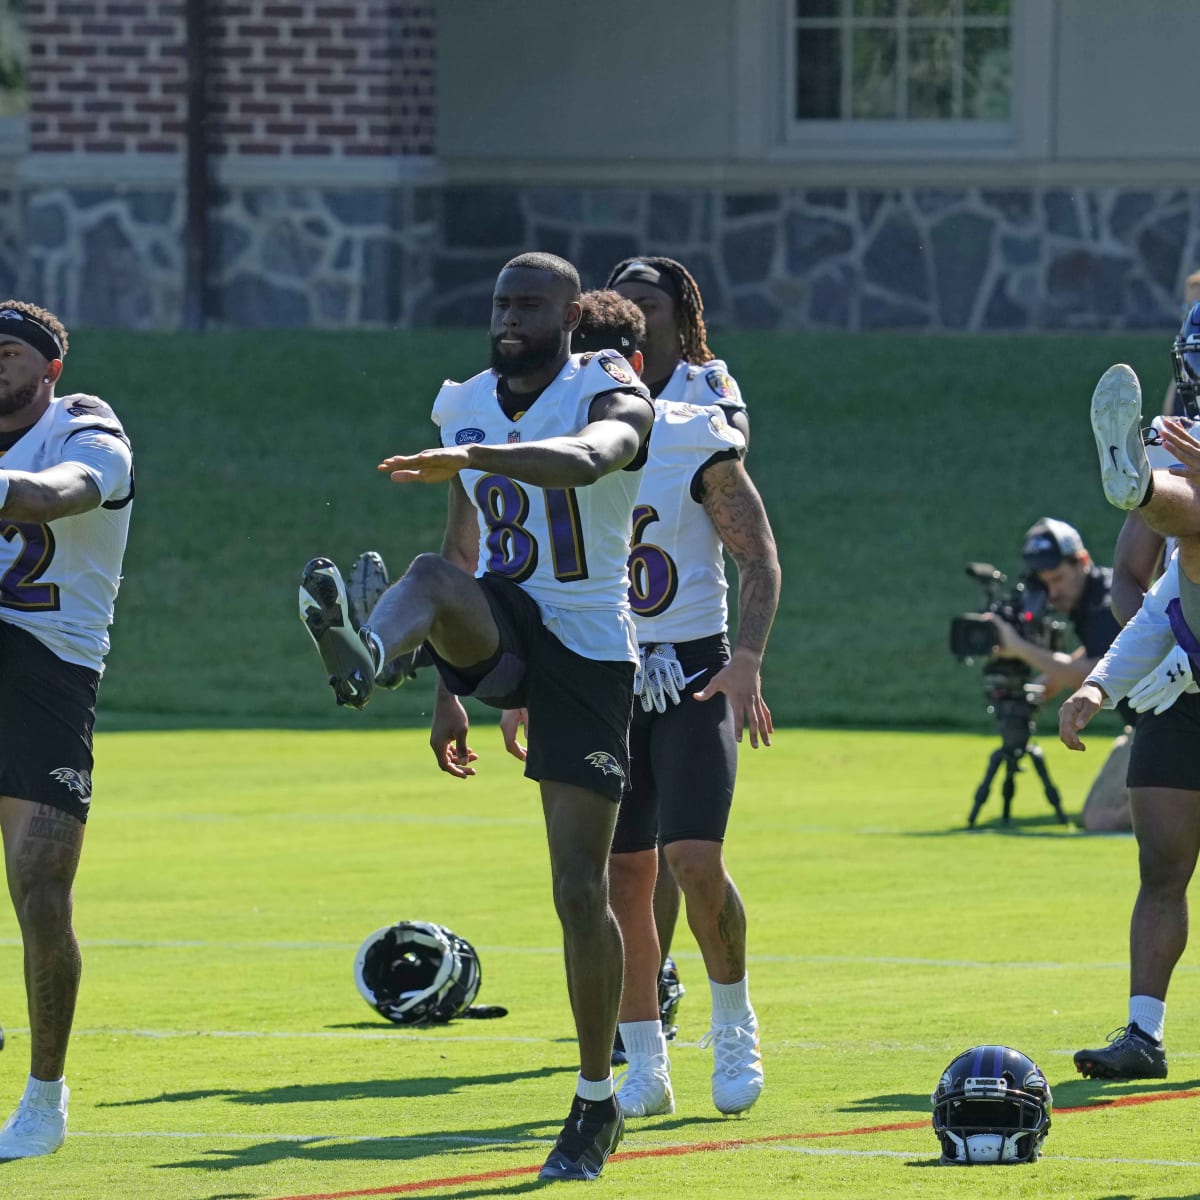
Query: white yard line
{"type": "Point", "coordinates": [956, 964]}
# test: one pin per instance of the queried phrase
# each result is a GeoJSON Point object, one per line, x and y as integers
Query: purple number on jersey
{"type": "Point", "coordinates": [19, 588]}
{"type": "Point", "coordinates": [512, 549]}
{"type": "Point", "coordinates": [653, 579]}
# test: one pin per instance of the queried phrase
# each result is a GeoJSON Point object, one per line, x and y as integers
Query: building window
{"type": "Point", "coordinates": [946, 62]}
{"type": "Point", "coordinates": [14, 59]}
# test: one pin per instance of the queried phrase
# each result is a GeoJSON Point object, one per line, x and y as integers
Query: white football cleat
{"type": "Point", "coordinates": [737, 1078]}
{"type": "Point", "coordinates": [1117, 425]}
{"type": "Point", "coordinates": [35, 1129]}
{"type": "Point", "coordinates": [645, 1089]}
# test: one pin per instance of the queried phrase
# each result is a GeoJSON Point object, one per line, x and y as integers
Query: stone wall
{"type": "Point", "coordinates": [410, 255]}
{"type": "Point", "coordinates": [846, 258]}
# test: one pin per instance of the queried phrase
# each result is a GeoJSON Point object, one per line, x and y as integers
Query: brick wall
{"type": "Point", "coordinates": [287, 77]}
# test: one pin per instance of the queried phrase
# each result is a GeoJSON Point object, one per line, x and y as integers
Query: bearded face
{"type": "Point", "coordinates": [14, 397]}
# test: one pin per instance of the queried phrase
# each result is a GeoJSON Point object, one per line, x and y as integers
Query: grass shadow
{"type": "Point", "coordinates": [328, 1093]}
{"type": "Point", "coordinates": [383, 1149]}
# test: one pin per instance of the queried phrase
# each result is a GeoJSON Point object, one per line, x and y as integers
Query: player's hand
{"type": "Point", "coordinates": [430, 466]}
{"type": "Point", "coordinates": [1164, 685]}
{"type": "Point", "coordinates": [739, 680]}
{"type": "Point", "coordinates": [1077, 710]}
{"type": "Point", "coordinates": [448, 738]}
{"type": "Point", "coordinates": [1183, 446]}
{"type": "Point", "coordinates": [512, 719]}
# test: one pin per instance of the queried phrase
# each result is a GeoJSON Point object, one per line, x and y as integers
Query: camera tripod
{"type": "Point", "coordinates": [1014, 714]}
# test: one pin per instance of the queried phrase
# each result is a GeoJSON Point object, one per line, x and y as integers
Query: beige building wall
{"type": "Point", "coordinates": [560, 79]}
{"type": "Point", "coordinates": [1125, 82]}
{"type": "Point", "coordinates": [695, 92]}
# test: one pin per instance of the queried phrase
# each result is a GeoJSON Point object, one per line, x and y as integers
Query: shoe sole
{"type": "Point", "coordinates": [732, 1111]}
{"type": "Point", "coordinates": [1091, 1069]}
{"type": "Point", "coordinates": [1116, 425]}
{"type": "Point", "coordinates": [666, 1108]}
{"type": "Point", "coordinates": [324, 610]}
{"type": "Point", "coordinates": [367, 581]}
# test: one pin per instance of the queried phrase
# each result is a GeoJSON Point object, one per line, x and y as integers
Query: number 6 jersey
{"type": "Point", "coordinates": [567, 547]}
{"type": "Point", "coordinates": [59, 581]}
{"type": "Point", "coordinates": [677, 564]}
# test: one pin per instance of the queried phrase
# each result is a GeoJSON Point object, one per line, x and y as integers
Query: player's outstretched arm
{"type": "Point", "coordinates": [737, 512]}
{"type": "Point", "coordinates": [39, 497]}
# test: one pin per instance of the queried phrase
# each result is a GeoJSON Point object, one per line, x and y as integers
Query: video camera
{"type": "Point", "coordinates": [1012, 698]}
{"type": "Point", "coordinates": [1025, 608]}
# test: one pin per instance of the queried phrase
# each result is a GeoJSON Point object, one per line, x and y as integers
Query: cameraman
{"type": "Point", "coordinates": [1054, 554]}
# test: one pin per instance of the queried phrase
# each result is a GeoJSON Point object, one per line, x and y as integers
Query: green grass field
{"type": "Point", "coordinates": [887, 462]}
{"type": "Point", "coordinates": [222, 1052]}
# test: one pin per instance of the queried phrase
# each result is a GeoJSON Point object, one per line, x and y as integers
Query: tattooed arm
{"type": "Point", "coordinates": [736, 510]}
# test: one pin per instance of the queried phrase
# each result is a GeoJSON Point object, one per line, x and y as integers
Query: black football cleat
{"type": "Point", "coordinates": [325, 613]}
{"type": "Point", "coordinates": [592, 1132]}
{"type": "Point", "coordinates": [1130, 1054]}
{"type": "Point", "coordinates": [366, 583]}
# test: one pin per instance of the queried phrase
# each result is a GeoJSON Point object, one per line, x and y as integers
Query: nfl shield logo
{"type": "Point", "coordinates": [513, 436]}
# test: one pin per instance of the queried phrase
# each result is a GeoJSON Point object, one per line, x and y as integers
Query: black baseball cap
{"type": "Point", "coordinates": [1048, 542]}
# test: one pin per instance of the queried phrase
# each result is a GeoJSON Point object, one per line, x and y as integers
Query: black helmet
{"type": "Point", "coordinates": [670, 992]}
{"type": "Point", "coordinates": [991, 1105]}
{"type": "Point", "coordinates": [1185, 360]}
{"type": "Point", "coordinates": [417, 973]}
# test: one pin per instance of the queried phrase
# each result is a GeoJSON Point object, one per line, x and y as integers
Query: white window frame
{"type": "Point", "coordinates": [765, 123]}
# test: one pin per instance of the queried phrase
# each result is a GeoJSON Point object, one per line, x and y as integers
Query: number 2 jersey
{"type": "Point", "coordinates": [567, 547]}
{"type": "Point", "coordinates": [677, 565]}
{"type": "Point", "coordinates": [59, 581]}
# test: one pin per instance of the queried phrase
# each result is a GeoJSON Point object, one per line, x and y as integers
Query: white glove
{"type": "Point", "coordinates": [661, 678]}
{"type": "Point", "coordinates": [1164, 685]}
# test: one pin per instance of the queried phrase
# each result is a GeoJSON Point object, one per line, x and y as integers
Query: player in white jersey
{"type": "Point", "coordinates": [527, 606]}
{"type": "Point", "coordinates": [1164, 768]}
{"type": "Point", "coordinates": [695, 501]}
{"type": "Point", "coordinates": [678, 365]}
{"type": "Point", "coordinates": [66, 482]}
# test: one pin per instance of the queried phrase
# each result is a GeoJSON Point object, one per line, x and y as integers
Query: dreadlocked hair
{"type": "Point", "coordinates": [693, 335]}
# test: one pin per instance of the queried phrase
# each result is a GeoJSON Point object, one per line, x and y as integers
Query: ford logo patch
{"type": "Point", "coordinates": [465, 437]}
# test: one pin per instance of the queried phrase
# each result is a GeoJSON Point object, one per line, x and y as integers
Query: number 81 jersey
{"type": "Point", "coordinates": [567, 547]}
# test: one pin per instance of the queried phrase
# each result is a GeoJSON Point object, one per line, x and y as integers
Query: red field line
{"type": "Point", "coordinates": [430, 1185]}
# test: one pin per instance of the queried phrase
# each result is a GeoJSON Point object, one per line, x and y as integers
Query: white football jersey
{"type": "Point", "coordinates": [677, 564]}
{"type": "Point", "coordinates": [59, 581]}
{"type": "Point", "coordinates": [709, 383]}
{"type": "Point", "coordinates": [567, 547]}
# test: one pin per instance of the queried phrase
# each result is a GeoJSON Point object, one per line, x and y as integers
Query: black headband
{"type": "Point", "coordinates": [644, 272]}
{"type": "Point", "coordinates": [28, 329]}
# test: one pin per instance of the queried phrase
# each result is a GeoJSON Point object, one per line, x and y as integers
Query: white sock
{"type": "Point", "coordinates": [642, 1040]}
{"type": "Point", "coordinates": [45, 1092]}
{"type": "Point", "coordinates": [594, 1089]}
{"type": "Point", "coordinates": [1148, 1014]}
{"type": "Point", "coordinates": [731, 1002]}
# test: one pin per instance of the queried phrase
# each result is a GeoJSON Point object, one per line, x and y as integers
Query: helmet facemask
{"type": "Point", "coordinates": [1002, 1116]}
{"type": "Point", "coordinates": [1185, 362]}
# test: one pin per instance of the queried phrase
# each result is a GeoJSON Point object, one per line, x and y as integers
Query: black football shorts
{"type": "Point", "coordinates": [47, 712]}
{"type": "Point", "coordinates": [1166, 747]}
{"type": "Point", "coordinates": [578, 708]}
{"type": "Point", "coordinates": [683, 761]}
